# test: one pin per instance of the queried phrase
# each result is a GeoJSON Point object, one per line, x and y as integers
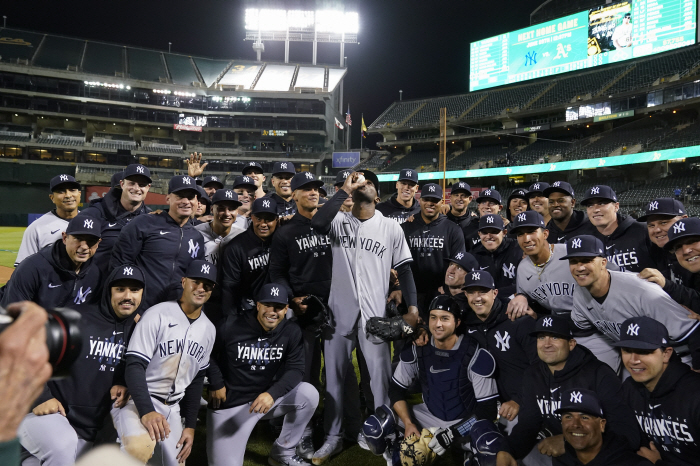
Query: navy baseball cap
{"type": "Point", "coordinates": [447, 303]}
{"type": "Point", "coordinates": [536, 188]}
{"type": "Point", "coordinates": [283, 167]}
{"type": "Point", "coordinates": [136, 169]}
{"type": "Point", "coordinates": [465, 260]}
{"type": "Point", "coordinates": [682, 228]}
{"type": "Point", "coordinates": [599, 192]}
{"type": "Point", "coordinates": [664, 206]}
{"type": "Point", "coordinates": [273, 293]}
{"type": "Point", "coordinates": [461, 187]}
{"type": "Point", "coordinates": [371, 176]}
{"type": "Point", "coordinates": [252, 166]}
{"type": "Point", "coordinates": [583, 246]}
{"type": "Point", "coordinates": [264, 205]}
{"type": "Point", "coordinates": [225, 195]}
{"type": "Point", "coordinates": [115, 182]}
{"type": "Point", "coordinates": [432, 191]}
{"type": "Point", "coordinates": [643, 333]}
{"type": "Point", "coordinates": [555, 325]}
{"type": "Point", "coordinates": [560, 187]}
{"type": "Point", "coordinates": [201, 269]}
{"type": "Point", "coordinates": [518, 193]}
{"type": "Point", "coordinates": [127, 272]}
{"type": "Point", "coordinates": [213, 181]}
{"type": "Point", "coordinates": [63, 180]}
{"type": "Point", "coordinates": [305, 179]}
{"type": "Point", "coordinates": [182, 183]}
{"type": "Point", "coordinates": [83, 224]}
{"type": "Point", "coordinates": [489, 195]}
{"type": "Point", "coordinates": [341, 177]}
{"type": "Point", "coordinates": [529, 218]}
{"type": "Point", "coordinates": [491, 221]}
{"type": "Point", "coordinates": [580, 400]}
{"type": "Point", "coordinates": [407, 174]}
{"type": "Point", "coordinates": [202, 196]}
{"type": "Point", "coordinates": [245, 182]}
{"type": "Point", "coordinates": [479, 279]}
{"type": "Point", "coordinates": [323, 189]}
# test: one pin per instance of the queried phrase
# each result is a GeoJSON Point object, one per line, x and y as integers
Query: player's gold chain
{"type": "Point", "coordinates": [540, 267]}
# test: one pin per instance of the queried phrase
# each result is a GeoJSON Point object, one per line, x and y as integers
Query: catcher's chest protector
{"type": "Point", "coordinates": [447, 390]}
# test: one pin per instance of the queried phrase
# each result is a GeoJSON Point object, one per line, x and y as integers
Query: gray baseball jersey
{"type": "Point", "coordinates": [174, 349]}
{"type": "Point", "coordinates": [364, 252]}
{"type": "Point", "coordinates": [43, 232]}
{"type": "Point", "coordinates": [213, 243]}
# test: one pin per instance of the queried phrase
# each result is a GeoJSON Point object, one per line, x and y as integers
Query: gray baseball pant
{"type": "Point", "coordinates": [51, 439]}
{"type": "Point", "coordinates": [228, 430]}
{"type": "Point", "coordinates": [601, 347]}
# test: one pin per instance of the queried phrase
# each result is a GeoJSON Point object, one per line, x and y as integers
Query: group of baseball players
{"type": "Point", "coordinates": [536, 333]}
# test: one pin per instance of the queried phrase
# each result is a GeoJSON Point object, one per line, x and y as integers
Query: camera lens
{"type": "Point", "coordinates": [63, 339]}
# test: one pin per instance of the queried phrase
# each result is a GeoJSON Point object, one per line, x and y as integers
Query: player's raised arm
{"type": "Point", "coordinates": [324, 217]}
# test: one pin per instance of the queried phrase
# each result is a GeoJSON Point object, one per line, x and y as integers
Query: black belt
{"type": "Point", "coordinates": [164, 401]}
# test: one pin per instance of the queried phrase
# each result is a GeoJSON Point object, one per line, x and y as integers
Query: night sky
{"type": "Point", "coordinates": [419, 47]}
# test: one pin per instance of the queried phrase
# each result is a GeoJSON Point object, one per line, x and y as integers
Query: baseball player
{"type": "Point", "coordinates": [67, 416]}
{"type": "Point", "coordinates": [282, 173]}
{"type": "Point", "coordinates": [255, 172]}
{"type": "Point", "coordinates": [221, 229]}
{"type": "Point", "coordinates": [64, 274]}
{"type": "Point", "coordinates": [200, 212]}
{"type": "Point", "coordinates": [460, 265]}
{"type": "Point", "coordinates": [402, 204]}
{"type": "Point", "coordinates": [538, 201]}
{"type": "Point", "coordinates": [517, 202]}
{"type": "Point", "coordinates": [684, 242]}
{"type": "Point", "coordinates": [211, 184]}
{"type": "Point", "coordinates": [661, 391]}
{"type": "Point", "coordinates": [244, 187]}
{"type": "Point", "coordinates": [163, 244]}
{"type": "Point", "coordinates": [365, 246]}
{"type": "Point", "coordinates": [47, 229]}
{"type": "Point", "coordinates": [433, 240]}
{"type": "Point", "coordinates": [116, 181]}
{"type": "Point", "coordinates": [604, 299]}
{"type": "Point", "coordinates": [460, 197]}
{"type": "Point", "coordinates": [566, 222]}
{"type": "Point", "coordinates": [488, 202]}
{"type": "Point", "coordinates": [245, 261]}
{"type": "Point", "coordinates": [119, 207]}
{"type": "Point", "coordinates": [259, 365]}
{"type": "Point", "coordinates": [626, 241]}
{"type": "Point", "coordinates": [339, 181]}
{"type": "Point", "coordinates": [166, 360]}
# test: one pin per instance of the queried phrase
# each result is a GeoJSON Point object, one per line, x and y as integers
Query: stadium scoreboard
{"type": "Point", "coordinates": [609, 33]}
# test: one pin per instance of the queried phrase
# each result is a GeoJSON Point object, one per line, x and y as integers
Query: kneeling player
{"type": "Point", "coordinates": [167, 357]}
{"type": "Point", "coordinates": [257, 368]}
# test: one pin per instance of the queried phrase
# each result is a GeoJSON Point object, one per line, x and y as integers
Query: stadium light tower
{"type": "Point", "coordinates": [330, 26]}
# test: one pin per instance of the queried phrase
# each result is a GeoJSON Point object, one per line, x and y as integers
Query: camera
{"type": "Point", "coordinates": [63, 338]}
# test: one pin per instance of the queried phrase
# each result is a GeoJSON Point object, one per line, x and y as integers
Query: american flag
{"type": "Point", "coordinates": [348, 120]}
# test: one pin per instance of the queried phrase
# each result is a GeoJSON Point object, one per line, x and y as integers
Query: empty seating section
{"type": "Point", "coordinates": [643, 131]}
{"type": "Point", "coordinates": [59, 53]}
{"type": "Point", "coordinates": [499, 100]}
{"type": "Point", "coordinates": [146, 65]}
{"type": "Point", "coordinates": [161, 145]}
{"type": "Point", "coordinates": [430, 114]}
{"type": "Point", "coordinates": [646, 72]}
{"type": "Point", "coordinates": [532, 153]}
{"type": "Point", "coordinates": [414, 160]}
{"type": "Point", "coordinates": [210, 69]}
{"type": "Point", "coordinates": [372, 162]}
{"type": "Point", "coordinates": [18, 45]}
{"type": "Point", "coordinates": [15, 133]}
{"type": "Point", "coordinates": [113, 141]}
{"type": "Point", "coordinates": [688, 136]}
{"type": "Point", "coordinates": [103, 59]}
{"type": "Point", "coordinates": [663, 187]}
{"type": "Point", "coordinates": [396, 113]}
{"type": "Point", "coordinates": [571, 87]}
{"type": "Point", "coordinates": [477, 155]}
{"type": "Point", "coordinates": [181, 69]}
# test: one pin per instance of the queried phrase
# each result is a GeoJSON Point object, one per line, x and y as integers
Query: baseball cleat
{"type": "Point", "coordinates": [362, 442]}
{"type": "Point", "coordinates": [305, 449]}
{"type": "Point", "coordinates": [294, 460]}
{"type": "Point", "coordinates": [327, 450]}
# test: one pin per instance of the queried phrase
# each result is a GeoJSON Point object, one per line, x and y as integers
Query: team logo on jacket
{"type": "Point", "coordinates": [259, 354]}
{"type": "Point", "coordinates": [502, 341]}
{"type": "Point", "coordinates": [194, 249]}
{"type": "Point", "coordinates": [671, 432]}
{"type": "Point", "coordinates": [509, 270]}
{"type": "Point", "coordinates": [81, 296]}
{"type": "Point", "coordinates": [107, 351]}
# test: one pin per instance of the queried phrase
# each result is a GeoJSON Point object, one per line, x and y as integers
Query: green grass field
{"type": "Point", "coordinates": [10, 239]}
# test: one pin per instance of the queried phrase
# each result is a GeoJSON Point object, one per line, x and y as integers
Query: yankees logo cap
{"type": "Point", "coordinates": [479, 279]}
{"type": "Point", "coordinates": [63, 181]}
{"type": "Point", "coordinates": [305, 179]}
{"type": "Point", "coordinates": [212, 181]}
{"type": "Point", "coordinates": [554, 325]}
{"type": "Point", "coordinates": [683, 228]}
{"type": "Point", "coordinates": [273, 293]}
{"type": "Point", "coordinates": [202, 196]}
{"type": "Point", "coordinates": [372, 177]}
{"type": "Point", "coordinates": [431, 191]}
{"type": "Point", "coordinates": [465, 260]}
{"type": "Point", "coordinates": [201, 269]}
{"type": "Point", "coordinates": [447, 303]}
{"type": "Point", "coordinates": [283, 167]}
{"type": "Point", "coordinates": [83, 224]}
{"type": "Point", "coordinates": [244, 182]}
{"type": "Point", "coordinates": [225, 195]}
{"type": "Point", "coordinates": [584, 246]}
{"type": "Point", "coordinates": [407, 174]}
{"type": "Point", "coordinates": [599, 192]}
{"type": "Point", "coordinates": [529, 218]}
{"type": "Point", "coordinates": [663, 206]}
{"type": "Point", "coordinates": [517, 194]}
{"type": "Point", "coordinates": [643, 333]}
{"type": "Point", "coordinates": [341, 177]}
{"type": "Point", "coordinates": [489, 195]}
{"type": "Point", "coordinates": [461, 187]}
{"type": "Point", "coordinates": [491, 221]}
{"type": "Point", "coordinates": [537, 189]}
{"type": "Point", "coordinates": [181, 183]}
{"type": "Point", "coordinates": [580, 400]}
{"type": "Point", "coordinates": [252, 167]}
{"type": "Point", "coordinates": [127, 272]}
{"type": "Point", "coordinates": [323, 189]}
{"type": "Point", "coordinates": [560, 187]}
{"type": "Point", "coordinates": [264, 205]}
{"type": "Point", "coordinates": [136, 169]}
{"type": "Point", "coordinates": [115, 182]}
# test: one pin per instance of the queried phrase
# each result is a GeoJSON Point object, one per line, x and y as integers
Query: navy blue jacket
{"type": "Point", "coordinates": [578, 225]}
{"type": "Point", "coordinates": [502, 264]}
{"type": "Point", "coordinates": [629, 246]}
{"type": "Point", "coordinates": [395, 211]}
{"type": "Point", "coordinates": [49, 279]}
{"type": "Point", "coordinates": [162, 249]}
{"type": "Point", "coordinates": [284, 208]}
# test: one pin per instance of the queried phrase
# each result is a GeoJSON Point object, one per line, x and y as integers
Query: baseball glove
{"type": "Point", "coordinates": [389, 328]}
{"type": "Point", "coordinates": [392, 309]}
{"type": "Point", "coordinates": [317, 317]}
{"type": "Point", "coordinates": [414, 450]}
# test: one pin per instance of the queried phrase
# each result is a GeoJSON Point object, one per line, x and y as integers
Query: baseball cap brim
{"type": "Point", "coordinates": [460, 190]}
{"type": "Point", "coordinates": [577, 409]}
{"type": "Point", "coordinates": [232, 201]}
{"type": "Point", "coordinates": [478, 285]}
{"type": "Point", "coordinates": [582, 254]}
{"type": "Point", "coordinates": [644, 217]}
{"type": "Point", "coordinates": [483, 198]}
{"type": "Point", "coordinates": [219, 184]}
{"type": "Point", "coordinates": [316, 183]}
{"type": "Point", "coordinates": [66, 184]}
{"type": "Point", "coordinates": [514, 230]}
{"type": "Point", "coordinates": [672, 244]}
{"type": "Point", "coordinates": [249, 169]}
{"type": "Point", "coordinates": [636, 344]}
{"type": "Point", "coordinates": [554, 189]}
{"type": "Point", "coordinates": [587, 201]}
{"type": "Point", "coordinates": [551, 332]}
{"type": "Point", "coordinates": [275, 300]}
{"type": "Point", "coordinates": [185, 188]}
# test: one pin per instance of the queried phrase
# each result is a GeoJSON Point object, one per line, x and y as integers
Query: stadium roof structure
{"type": "Point", "coordinates": [115, 64]}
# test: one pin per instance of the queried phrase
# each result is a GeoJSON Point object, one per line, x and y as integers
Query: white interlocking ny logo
{"type": "Point", "coordinates": [275, 291]}
{"type": "Point", "coordinates": [556, 183]}
{"type": "Point", "coordinates": [576, 397]}
{"type": "Point", "coordinates": [186, 180]}
{"type": "Point", "coordinates": [408, 173]}
{"type": "Point", "coordinates": [81, 297]}
{"type": "Point", "coordinates": [576, 243]}
{"type": "Point", "coordinates": [509, 270]}
{"type": "Point", "coordinates": [487, 192]}
{"type": "Point", "coordinates": [128, 271]}
{"type": "Point", "coordinates": [547, 322]}
{"type": "Point", "coordinates": [459, 256]}
{"type": "Point", "coordinates": [654, 205]}
{"type": "Point", "coordinates": [633, 330]}
{"type": "Point", "coordinates": [595, 190]}
{"type": "Point", "coordinates": [678, 227]}
{"type": "Point", "coordinates": [252, 164]}
{"type": "Point", "coordinates": [502, 341]}
{"type": "Point", "coordinates": [521, 217]}
{"type": "Point", "coordinates": [193, 249]}
{"type": "Point", "coordinates": [266, 203]}
{"type": "Point", "coordinates": [213, 178]}
{"type": "Point", "coordinates": [229, 194]}
{"type": "Point", "coordinates": [536, 187]}
{"type": "Point", "coordinates": [345, 174]}
{"type": "Point", "coordinates": [246, 179]}
{"type": "Point", "coordinates": [489, 219]}
{"type": "Point", "coordinates": [431, 189]}
{"type": "Point", "coordinates": [139, 169]}
{"type": "Point", "coordinates": [64, 177]}
{"type": "Point", "coordinates": [476, 276]}
{"type": "Point", "coordinates": [283, 165]}
{"type": "Point", "coordinates": [87, 224]}
{"type": "Point", "coordinates": [205, 269]}
{"type": "Point", "coordinates": [309, 176]}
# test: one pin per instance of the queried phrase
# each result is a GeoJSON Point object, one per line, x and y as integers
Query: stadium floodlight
{"type": "Point", "coordinates": [337, 21]}
{"type": "Point", "coordinates": [300, 20]}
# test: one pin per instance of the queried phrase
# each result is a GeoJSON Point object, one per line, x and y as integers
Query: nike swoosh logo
{"type": "Point", "coordinates": [655, 406]}
{"type": "Point", "coordinates": [608, 247]}
{"type": "Point", "coordinates": [433, 371]}
{"type": "Point", "coordinates": [54, 286]}
{"type": "Point", "coordinates": [53, 232]}
{"type": "Point", "coordinates": [527, 278]}
{"type": "Point", "coordinates": [116, 333]}
{"type": "Point", "coordinates": [164, 232]}
{"type": "Point", "coordinates": [112, 225]}
{"type": "Point", "coordinates": [553, 390]}
{"type": "Point", "coordinates": [489, 443]}
{"type": "Point", "coordinates": [484, 268]}
{"type": "Point", "coordinates": [561, 238]}
{"type": "Point", "coordinates": [426, 231]}
{"type": "Point", "coordinates": [262, 339]}
{"type": "Point", "coordinates": [472, 331]}
{"type": "Point", "coordinates": [171, 325]}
